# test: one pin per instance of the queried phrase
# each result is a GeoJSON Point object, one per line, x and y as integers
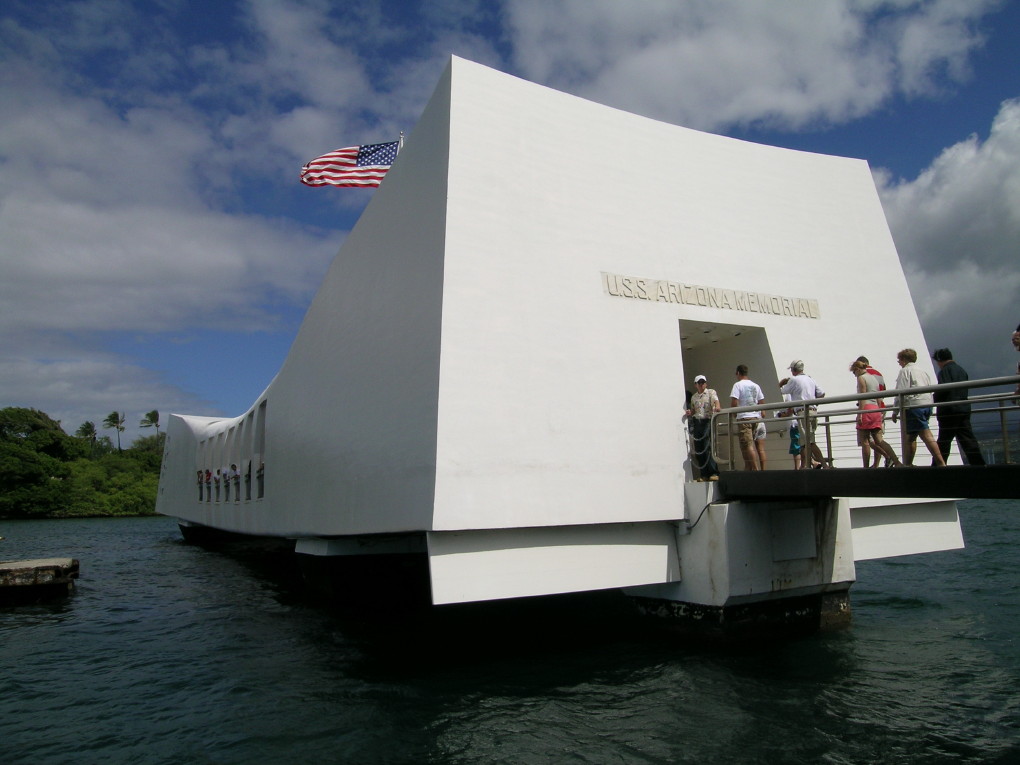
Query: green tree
{"type": "Point", "coordinates": [18, 422]}
{"type": "Point", "coordinates": [148, 450]}
{"type": "Point", "coordinates": [115, 484]}
{"type": "Point", "coordinates": [87, 432]}
{"type": "Point", "coordinates": [103, 446]}
{"type": "Point", "coordinates": [34, 451]}
{"type": "Point", "coordinates": [151, 420]}
{"type": "Point", "coordinates": [45, 473]}
{"type": "Point", "coordinates": [38, 432]}
{"type": "Point", "coordinates": [31, 482]}
{"type": "Point", "coordinates": [115, 420]}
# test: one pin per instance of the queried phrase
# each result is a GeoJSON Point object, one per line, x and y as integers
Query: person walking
{"type": "Point", "coordinates": [869, 421]}
{"type": "Point", "coordinates": [876, 381]}
{"type": "Point", "coordinates": [704, 403]}
{"type": "Point", "coordinates": [802, 387]}
{"type": "Point", "coordinates": [750, 426]}
{"type": "Point", "coordinates": [917, 408]}
{"type": "Point", "coordinates": [1016, 344]}
{"type": "Point", "coordinates": [953, 412]}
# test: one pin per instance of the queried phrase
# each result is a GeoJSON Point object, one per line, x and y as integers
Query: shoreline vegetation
{"type": "Point", "coordinates": [46, 473]}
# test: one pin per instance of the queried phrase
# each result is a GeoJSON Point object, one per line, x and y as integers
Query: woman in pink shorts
{"type": "Point", "coordinates": [869, 421]}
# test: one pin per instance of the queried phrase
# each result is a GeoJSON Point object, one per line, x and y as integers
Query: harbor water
{"type": "Point", "coordinates": [170, 653]}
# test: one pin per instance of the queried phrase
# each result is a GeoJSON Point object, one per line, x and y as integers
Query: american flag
{"type": "Point", "coordinates": [352, 166]}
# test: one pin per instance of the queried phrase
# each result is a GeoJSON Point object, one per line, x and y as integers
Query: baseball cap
{"type": "Point", "coordinates": [700, 378]}
{"type": "Point", "coordinates": [797, 366]}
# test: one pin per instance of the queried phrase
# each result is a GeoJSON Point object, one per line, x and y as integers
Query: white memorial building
{"type": "Point", "coordinates": [492, 375]}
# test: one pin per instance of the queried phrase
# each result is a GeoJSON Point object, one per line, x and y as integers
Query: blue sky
{"type": "Point", "coordinates": [158, 252]}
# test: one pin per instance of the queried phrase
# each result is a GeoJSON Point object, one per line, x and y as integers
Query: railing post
{"type": "Point", "coordinates": [1005, 432]}
{"type": "Point", "coordinates": [828, 441]}
{"type": "Point", "coordinates": [901, 414]}
{"type": "Point", "coordinates": [729, 438]}
{"type": "Point", "coordinates": [805, 436]}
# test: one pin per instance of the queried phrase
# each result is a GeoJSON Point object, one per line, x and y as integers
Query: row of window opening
{"type": "Point", "coordinates": [224, 483]}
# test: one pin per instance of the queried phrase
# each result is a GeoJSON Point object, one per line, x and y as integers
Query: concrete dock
{"type": "Point", "coordinates": [33, 581]}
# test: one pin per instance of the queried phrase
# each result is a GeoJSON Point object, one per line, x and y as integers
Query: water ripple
{"type": "Point", "coordinates": [172, 654]}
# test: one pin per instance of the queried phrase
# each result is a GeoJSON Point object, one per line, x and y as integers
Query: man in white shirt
{"type": "Point", "coordinates": [916, 417]}
{"type": "Point", "coordinates": [801, 387]}
{"type": "Point", "coordinates": [750, 426]}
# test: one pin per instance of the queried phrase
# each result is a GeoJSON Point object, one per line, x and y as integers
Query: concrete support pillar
{"type": "Point", "coordinates": [758, 568]}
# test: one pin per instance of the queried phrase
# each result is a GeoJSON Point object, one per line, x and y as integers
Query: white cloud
{"type": "Point", "coordinates": [956, 227]}
{"type": "Point", "coordinates": [106, 221]}
{"type": "Point", "coordinates": [79, 388]}
{"type": "Point", "coordinates": [300, 57]}
{"type": "Point", "coordinates": [149, 268]}
{"type": "Point", "coordinates": [715, 64]}
{"type": "Point", "coordinates": [120, 209]}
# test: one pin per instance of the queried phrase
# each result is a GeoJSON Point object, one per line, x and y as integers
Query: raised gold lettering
{"type": "Point", "coordinates": [663, 291]}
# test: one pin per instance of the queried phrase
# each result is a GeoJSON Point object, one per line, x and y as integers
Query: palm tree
{"type": "Point", "coordinates": [115, 420]}
{"type": "Point", "coordinates": [87, 430]}
{"type": "Point", "coordinates": [151, 420]}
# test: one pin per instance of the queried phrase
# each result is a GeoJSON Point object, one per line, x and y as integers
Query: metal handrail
{"type": "Point", "coordinates": [804, 411]}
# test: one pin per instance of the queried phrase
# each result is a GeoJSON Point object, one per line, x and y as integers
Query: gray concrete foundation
{"type": "Point", "coordinates": [801, 615]}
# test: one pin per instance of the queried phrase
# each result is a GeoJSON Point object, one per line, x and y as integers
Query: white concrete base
{"type": "Point", "coordinates": [905, 528]}
{"type": "Point", "coordinates": [514, 563]}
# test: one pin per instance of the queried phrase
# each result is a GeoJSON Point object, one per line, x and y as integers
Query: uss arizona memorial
{"type": "Point", "coordinates": [708, 297]}
{"type": "Point", "coordinates": [491, 378]}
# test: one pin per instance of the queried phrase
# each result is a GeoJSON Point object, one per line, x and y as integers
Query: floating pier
{"type": "Point", "coordinates": [33, 581]}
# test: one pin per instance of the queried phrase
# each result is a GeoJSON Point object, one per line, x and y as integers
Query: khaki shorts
{"type": "Point", "coordinates": [747, 431]}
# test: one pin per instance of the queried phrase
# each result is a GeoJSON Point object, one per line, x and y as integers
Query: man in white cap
{"type": "Point", "coordinates": [801, 387]}
{"type": "Point", "coordinates": [704, 403]}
